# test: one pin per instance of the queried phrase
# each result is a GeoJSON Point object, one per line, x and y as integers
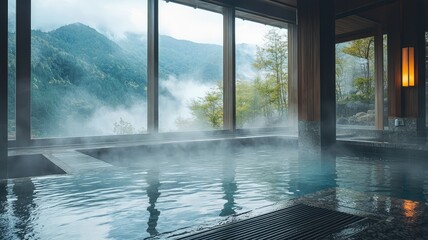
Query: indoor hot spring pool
{"type": "Point", "coordinates": [157, 192]}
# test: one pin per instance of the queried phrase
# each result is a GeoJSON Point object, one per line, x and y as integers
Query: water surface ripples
{"type": "Point", "coordinates": [146, 196]}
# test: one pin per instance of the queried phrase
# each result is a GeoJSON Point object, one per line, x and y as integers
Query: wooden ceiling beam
{"type": "Point", "coordinates": [355, 35]}
{"type": "Point", "coordinates": [269, 9]}
{"type": "Point", "coordinates": [346, 8]}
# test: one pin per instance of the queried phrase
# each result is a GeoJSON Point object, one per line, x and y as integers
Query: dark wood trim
{"type": "Point", "coordinates": [421, 73]}
{"type": "Point", "coordinates": [153, 66]}
{"type": "Point", "coordinates": [394, 68]}
{"type": "Point", "coordinates": [348, 8]}
{"type": "Point", "coordinates": [410, 33]}
{"type": "Point", "coordinates": [23, 72]}
{"type": "Point", "coordinates": [327, 73]}
{"type": "Point", "coordinates": [355, 35]}
{"type": "Point", "coordinates": [272, 10]}
{"type": "Point", "coordinates": [266, 9]}
{"type": "Point", "coordinates": [3, 87]}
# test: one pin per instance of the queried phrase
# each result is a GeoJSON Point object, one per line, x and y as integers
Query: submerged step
{"type": "Point", "coordinates": [76, 162]}
{"type": "Point", "coordinates": [31, 166]}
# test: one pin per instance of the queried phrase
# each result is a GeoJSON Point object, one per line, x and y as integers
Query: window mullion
{"type": "Point", "coordinates": [23, 72]}
{"type": "Point", "coordinates": [3, 87]}
{"type": "Point", "coordinates": [229, 94]}
{"type": "Point", "coordinates": [153, 67]}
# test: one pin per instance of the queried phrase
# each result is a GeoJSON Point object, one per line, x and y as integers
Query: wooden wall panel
{"type": "Point", "coordinates": [316, 59]}
{"type": "Point", "coordinates": [394, 66]}
{"type": "Point", "coordinates": [309, 60]}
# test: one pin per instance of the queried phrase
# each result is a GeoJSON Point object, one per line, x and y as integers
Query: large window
{"type": "Point", "coordinates": [11, 69]}
{"type": "Point", "coordinates": [262, 98]}
{"type": "Point", "coordinates": [355, 84]}
{"type": "Point", "coordinates": [190, 68]}
{"type": "Point", "coordinates": [89, 67]}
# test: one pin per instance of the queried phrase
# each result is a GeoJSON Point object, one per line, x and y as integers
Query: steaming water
{"type": "Point", "coordinates": [145, 196]}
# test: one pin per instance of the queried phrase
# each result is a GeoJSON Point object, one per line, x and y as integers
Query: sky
{"type": "Point", "coordinates": [117, 17]}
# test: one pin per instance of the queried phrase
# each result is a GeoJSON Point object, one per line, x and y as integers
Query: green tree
{"type": "Point", "coordinates": [364, 49]}
{"type": "Point", "coordinates": [208, 110]}
{"type": "Point", "coordinates": [272, 60]}
{"type": "Point", "coordinates": [122, 127]}
{"type": "Point", "coordinates": [247, 103]}
{"type": "Point", "coordinates": [266, 93]}
{"type": "Point", "coordinates": [266, 96]}
{"type": "Point", "coordinates": [339, 78]}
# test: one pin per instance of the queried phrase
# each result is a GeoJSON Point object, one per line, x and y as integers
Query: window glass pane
{"type": "Point", "coordinates": [355, 86]}
{"type": "Point", "coordinates": [11, 69]}
{"type": "Point", "coordinates": [190, 68]}
{"type": "Point", "coordinates": [261, 75]}
{"type": "Point", "coordinates": [89, 67]}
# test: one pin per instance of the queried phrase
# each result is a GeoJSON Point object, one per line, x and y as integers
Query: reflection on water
{"type": "Point", "coordinates": [409, 208]}
{"type": "Point", "coordinates": [23, 208]}
{"type": "Point", "coordinates": [314, 173]}
{"type": "Point", "coordinates": [3, 208]}
{"type": "Point", "coordinates": [229, 187]}
{"type": "Point", "coordinates": [192, 190]}
{"type": "Point", "coordinates": [153, 195]}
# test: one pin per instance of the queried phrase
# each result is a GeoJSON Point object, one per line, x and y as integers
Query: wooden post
{"type": "Point", "coordinates": [394, 69]}
{"type": "Point", "coordinates": [379, 105]}
{"type": "Point", "coordinates": [317, 103]}
{"type": "Point", "coordinates": [292, 75]}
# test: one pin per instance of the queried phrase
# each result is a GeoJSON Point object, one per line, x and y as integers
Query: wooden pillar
{"type": "Point", "coordinates": [420, 68]}
{"type": "Point", "coordinates": [394, 68]}
{"type": "Point", "coordinates": [316, 51]}
{"type": "Point", "coordinates": [153, 67]}
{"type": "Point", "coordinates": [379, 105]}
{"type": "Point", "coordinates": [229, 91]}
{"type": "Point", "coordinates": [407, 104]}
{"type": "Point", "coordinates": [292, 75]}
{"type": "Point", "coordinates": [3, 87]}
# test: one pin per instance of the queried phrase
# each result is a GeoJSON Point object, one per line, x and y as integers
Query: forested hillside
{"type": "Point", "coordinates": [77, 70]}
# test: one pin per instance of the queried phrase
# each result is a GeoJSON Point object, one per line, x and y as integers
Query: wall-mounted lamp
{"type": "Point", "coordinates": [408, 67]}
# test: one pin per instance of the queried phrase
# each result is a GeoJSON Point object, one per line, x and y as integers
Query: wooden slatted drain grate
{"type": "Point", "coordinates": [296, 222]}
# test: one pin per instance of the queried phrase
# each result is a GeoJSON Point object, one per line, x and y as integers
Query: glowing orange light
{"type": "Point", "coordinates": [410, 208]}
{"type": "Point", "coordinates": [408, 66]}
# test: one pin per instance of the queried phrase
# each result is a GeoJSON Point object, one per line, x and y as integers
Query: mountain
{"type": "Point", "coordinates": [179, 58]}
{"type": "Point", "coordinates": [77, 70]}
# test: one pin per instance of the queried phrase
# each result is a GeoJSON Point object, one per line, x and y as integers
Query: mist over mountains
{"type": "Point", "coordinates": [76, 70]}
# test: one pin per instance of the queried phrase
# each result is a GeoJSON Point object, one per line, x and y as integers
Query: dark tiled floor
{"type": "Point", "coordinates": [386, 217]}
